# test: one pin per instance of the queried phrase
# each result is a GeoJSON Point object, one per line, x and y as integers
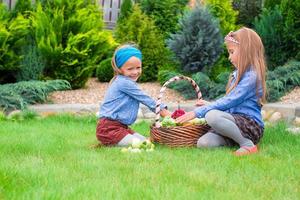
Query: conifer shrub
{"type": "Point", "coordinates": [248, 10]}
{"type": "Point", "coordinates": [227, 16]}
{"type": "Point", "coordinates": [291, 29]}
{"type": "Point", "coordinates": [270, 4]}
{"type": "Point", "coordinates": [164, 13]}
{"type": "Point", "coordinates": [140, 29]}
{"type": "Point", "coordinates": [13, 33]}
{"type": "Point", "coordinates": [126, 9]}
{"type": "Point", "coordinates": [282, 80]}
{"type": "Point", "coordinates": [31, 64]}
{"type": "Point", "coordinates": [224, 12]}
{"type": "Point", "coordinates": [19, 95]}
{"type": "Point", "coordinates": [105, 71]}
{"type": "Point", "coordinates": [198, 43]}
{"type": "Point", "coordinates": [70, 36]}
{"type": "Point", "coordinates": [269, 27]}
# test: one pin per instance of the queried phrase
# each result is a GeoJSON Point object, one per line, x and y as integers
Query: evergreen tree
{"type": "Point", "coordinates": [269, 4]}
{"type": "Point", "coordinates": [269, 27]}
{"type": "Point", "coordinates": [291, 15]}
{"type": "Point", "coordinates": [198, 43]}
{"type": "Point", "coordinates": [164, 13]}
{"type": "Point", "coordinates": [248, 10]}
{"type": "Point", "coordinates": [222, 9]}
{"type": "Point", "coordinates": [126, 10]}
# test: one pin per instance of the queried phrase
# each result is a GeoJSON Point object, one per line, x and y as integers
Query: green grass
{"type": "Point", "coordinates": [52, 159]}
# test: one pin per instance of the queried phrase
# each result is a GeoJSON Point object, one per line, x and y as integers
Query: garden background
{"type": "Point", "coordinates": [59, 45]}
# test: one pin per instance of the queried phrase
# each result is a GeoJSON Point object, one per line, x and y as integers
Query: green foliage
{"type": "Point", "coordinates": [282, 80]}
{"type": "Point", "coordinates": [32, 65]}
{"type": "Point", "coordinates": [22, 6]}
{"type": "Point", "coordinates": [125, 11]}
{"type": "Point", "coordinates": [223, 65]}
{"type": "Point", "coordinates": [105, 71]}
{"type": "Point", "coordinates": [223, 78]}
{"type": "Point", "coordinates": [165, 75]}
{"type": "Point", "coordinates": [228, 17]}
{"type": "Point", "coordinates": [269, 27]}
{"type": "Point", "coordinates": [290, 12]}
{"type": "Point", "coordinates": [70, 37]}
{"type": "Point", "coordinates": [270, 4]}
{"type": "Point", "coordinates": [13, 32]}
{"type": "Point", "coordinates": [18, 95]}
{"type": "Point", "coordinates": [164, 13]}
{"type": "Point", "coordinates": [198, 42]}
{"type": "Point", "coordinates": [140, 29]}
{"type": "Point", "coordinates": [248, 10]}
{"type": "Point", "coordinates": [224, 12]}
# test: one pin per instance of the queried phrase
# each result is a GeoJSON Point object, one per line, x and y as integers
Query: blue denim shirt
{"type": "Point", "coordinates": [242, 99]}
{"type": "Point", "coordinates": [122, 100]}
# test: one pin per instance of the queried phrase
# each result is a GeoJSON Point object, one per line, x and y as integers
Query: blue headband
{"type": "Point", "coordinates": [124, 54]}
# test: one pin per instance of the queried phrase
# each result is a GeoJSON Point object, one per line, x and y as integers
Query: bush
{"type": "Point", "coordinates": [18, 95]}
{"type": "Point", "coordinates": [291, 29]}
{"type": "Point", "coordinates": [13, 33]}
{"type": "Point", "coordinates": [140, 29]}
{"type": "Point", "coordinates": [223, 65]}
{"type": "Point", "coordinates": [282, 80]}
{"type": "Point", "coordinates": [224, 12]}
{"type": "Point", "coordinates": [125, 11]}
{"type": "Point", "coordinates": [198, 42]}
{"type": "Point", "coordinates": [227, 16]}
{"type": "Point", "coordinates": [32, 65]}
{"type": "Point", "coordinates": [165, 75]}
{"type": "Point", "coordinates": [105, 71]}
{"type": "Point", "coordinates": [269, 27]}
{"type": "Point", "coordinates": [248, 10]}
{"type": "Point", "coordinates": [69, 35]}
{"type": "Point", "coordinates": [164, 13]}
{"type": "Point", "coordinates": [270, 4]}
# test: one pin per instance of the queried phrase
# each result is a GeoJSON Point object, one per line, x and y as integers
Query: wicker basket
{"type": "Point", "coordinates": [179, 136]}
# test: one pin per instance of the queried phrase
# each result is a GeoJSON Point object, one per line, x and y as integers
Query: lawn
{"type": "Point", "coordinates": [51, 158]}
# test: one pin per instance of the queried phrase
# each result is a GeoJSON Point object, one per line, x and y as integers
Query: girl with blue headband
{"type": "Point", "coordinates": [122, 99]}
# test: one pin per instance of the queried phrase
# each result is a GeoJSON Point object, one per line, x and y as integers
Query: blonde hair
{"type": "Point", "coordinates": [251, 53]}
{"type": "Point", "coordinates": [117, 70]}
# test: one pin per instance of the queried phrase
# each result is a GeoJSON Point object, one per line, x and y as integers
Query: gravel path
{"type": "Point", "coordinates": [95, 91]}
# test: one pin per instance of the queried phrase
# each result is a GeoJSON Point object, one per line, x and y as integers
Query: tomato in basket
{"type": "Point", "coordinates": [177, 113]}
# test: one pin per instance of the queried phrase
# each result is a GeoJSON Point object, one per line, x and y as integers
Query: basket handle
{"type": "Point", "coordinates": [162, 90]}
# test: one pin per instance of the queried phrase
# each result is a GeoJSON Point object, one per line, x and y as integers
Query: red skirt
{"type": "Point", "coordinates": [111, 132]}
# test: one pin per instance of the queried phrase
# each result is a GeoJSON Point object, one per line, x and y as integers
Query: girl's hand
{"type": "Point", "coordinates": [201, 102]}
{"type": "Point", "coordinates": [165, 113]}
{"type": "Point", "coordinates": [186, 117]}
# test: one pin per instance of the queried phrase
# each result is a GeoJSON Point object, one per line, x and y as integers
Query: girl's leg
{"type": "Point", "coordinates": [127, 140]}
{"type": "Point", "coordinates": [141, 137]}
{"type": "Point", "coordinates": [211, 140]}
{"type": "Point", "coordinates": [224, 124]}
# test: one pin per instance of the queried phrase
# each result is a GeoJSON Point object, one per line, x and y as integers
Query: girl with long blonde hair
{"type": "Point", "coordinates": [236, 117]}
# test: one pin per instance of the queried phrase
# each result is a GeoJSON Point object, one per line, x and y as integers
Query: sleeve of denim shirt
{"type": "Point", "coordinates": [234, 98]}
{"type": "Point", "coordinates": [131, 89]}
